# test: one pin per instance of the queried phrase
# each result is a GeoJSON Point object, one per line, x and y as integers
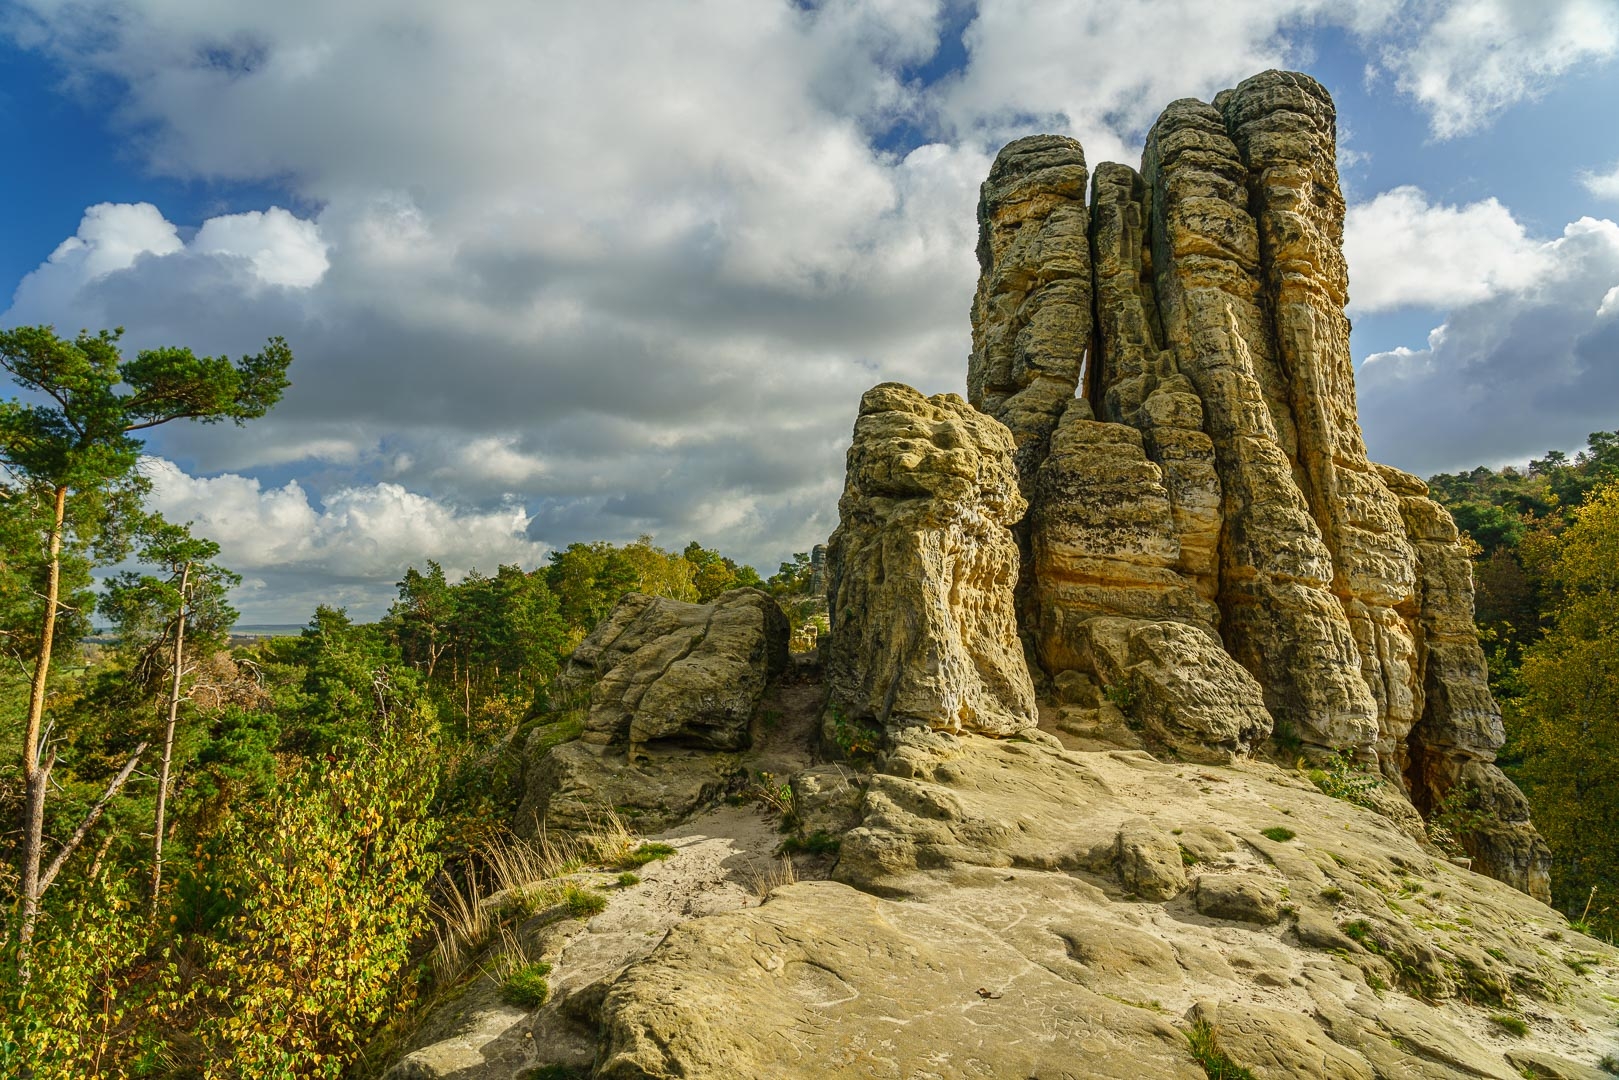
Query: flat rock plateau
{"type": "Point", "coordinates": [1152, 737]}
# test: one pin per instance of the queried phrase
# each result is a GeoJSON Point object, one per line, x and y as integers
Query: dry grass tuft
{"type": "Point", "coordinates": [763, 880]}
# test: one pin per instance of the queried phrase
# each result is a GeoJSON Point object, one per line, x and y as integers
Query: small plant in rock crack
{"type": "Point", "coordinates": [853, 738]}
{"type": "Point", "coordinates": [1344, 778]}
{"type": "Point", "coordinates": [1121, 695]}
{"type": "Point", "coordinates": [1458, 814]}
{"type": "Point", "coordinates": [775, 795]}
{"type": "Point", "coordinates": [1207, 1052]}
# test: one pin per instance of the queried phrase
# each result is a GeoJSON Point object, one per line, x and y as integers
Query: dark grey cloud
{"type": "Point", "coordinates": [1507, 378]}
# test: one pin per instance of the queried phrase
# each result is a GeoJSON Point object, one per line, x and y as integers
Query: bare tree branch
{"type": "Point", "coordinates": [90, 819]}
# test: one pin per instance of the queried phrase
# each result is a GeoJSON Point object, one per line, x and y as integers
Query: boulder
{"type": "Point", "coordinates": [660, 670]}
{"type": "Point", "coordinates": [668, 691]}
{"type": "Point", "coordinates": [1238, 897]}
{"type": "Point", "coordinates": [1176, 683]}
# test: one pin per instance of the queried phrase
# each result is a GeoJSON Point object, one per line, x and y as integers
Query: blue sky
{"type": "Point", "coordinates": [547, 283]}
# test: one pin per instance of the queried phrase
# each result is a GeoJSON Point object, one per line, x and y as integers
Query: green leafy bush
{"type": "Point", "coordinates": [332, 878]}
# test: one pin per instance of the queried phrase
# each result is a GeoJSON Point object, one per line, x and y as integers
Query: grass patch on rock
{"type": "Point", "coordinates": [526, 986]}
{"type": "Point", "coordinates": [1207, 1052]}
{"type": "Point", "coordinates": [651, 851]}
{"type": "Point", "coordinates": [1278, 833]}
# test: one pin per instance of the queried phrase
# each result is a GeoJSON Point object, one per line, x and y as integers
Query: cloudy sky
{"type": "Point", "coordinates": [556, 271]}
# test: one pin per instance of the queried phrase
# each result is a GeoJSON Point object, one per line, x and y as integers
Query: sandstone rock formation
{"type": "Point", "coordinates": [1032, 312]}
{"type": "Point", "coordinates": [923, 565]}
{"type": "Point", "coordinates": [661, 683]}
{"type": "Point", "coordinates": [662, 670]}
{"type": "Point", "coordinates": [1212, 473]}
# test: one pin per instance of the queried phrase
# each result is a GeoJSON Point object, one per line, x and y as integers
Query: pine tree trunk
{"type": "Point", "coordinates": [36, 775]}
{"type": "Point", "coordinates": [168, 741]}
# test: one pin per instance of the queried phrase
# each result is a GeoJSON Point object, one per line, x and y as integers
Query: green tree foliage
{"type": "Point", "coordinates": [73, 1019]}
{"type": "Point", "coordinates": [1565, 722]}
{"type": "Point", "coordinates": [793, 578]}
{"type": "Point", "coordinates": [1512, 515]}
{"type": "Point", "coordinates": [588, 579]}
{"type": "Point", "coordinates": [317, 800]}
{"type": "Point", "coordinates": [330, 882]}
{"type": "Point", "coordinates": [153, 615]}
{"type": "Point", "coordinates": [713, 573]}
{"type": "Point", "coordinates": [70, 444]}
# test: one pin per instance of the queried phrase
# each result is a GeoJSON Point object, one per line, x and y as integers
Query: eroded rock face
{"type": "Point", "coordinates": [668, 690]}
{"type": "Point", "coordinates": [663, 670]}
{"type": "Point", "coordinates": [1032, 312]}
{"type": "Point", "coordinates": [1211, 475]}
{"type": "Point", "coordinates": [923, 568]}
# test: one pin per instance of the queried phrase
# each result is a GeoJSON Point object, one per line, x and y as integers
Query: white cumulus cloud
{"type": "Point", "coordinates": [1405, 251]}
{"type": "Point", "coordinates": [134, 242]}
{"type": "Point", "coordinates": [1480, 56]}
{"type": "Point", "coordinates": [1604, 185]}
{"type": "Point", "coordinates": [281, 248]}
{"type": "Point", "coordinates": [362, 536]}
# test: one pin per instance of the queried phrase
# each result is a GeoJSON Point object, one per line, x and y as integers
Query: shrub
{"type": "Point", "coordinates": [332, 880]}
{"type": "Point", "coordinates": [1342, 778]}
{"type": "Point", "coordinates": [62, 1024]}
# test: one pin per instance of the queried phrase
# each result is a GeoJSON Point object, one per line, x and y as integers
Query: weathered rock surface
{"type": "Point", "coordinates": [1032, 312]}
{"type": "Point", "coordinates": [1103, 537]}
{"type": "Point", "coordinates": [1212, 473]}
{"type": "Point", "coordinates": [660, 670]}
{"type": "Point", "coordinates": [1009, 908]}
{"type": "Point", "coordinates": [660, 682]}
{"type": "Point", "coordinates": [1177, 683]}
{"type": "Point", "coordinates": [571, 787]}
{"type": "Point", "coordinates": [923, 569]}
